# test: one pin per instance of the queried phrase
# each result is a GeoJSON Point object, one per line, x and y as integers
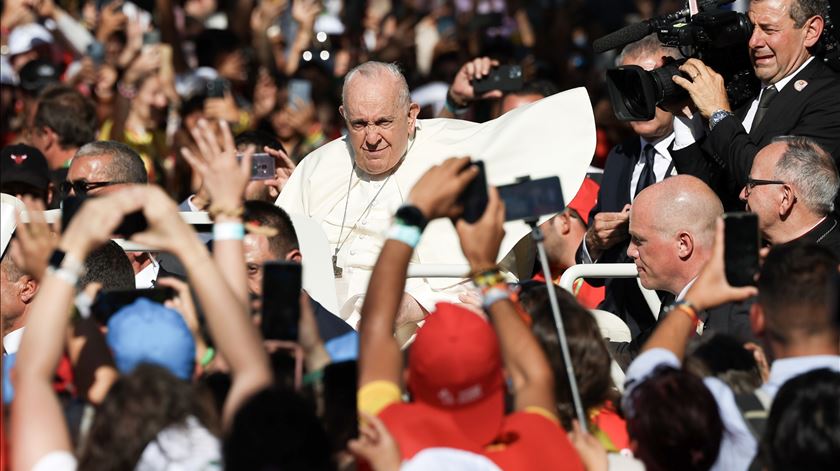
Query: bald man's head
{"type": "Point", "coordinates": [672, 228]}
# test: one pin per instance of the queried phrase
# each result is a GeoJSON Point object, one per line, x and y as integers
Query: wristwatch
{"type": "Point", "coordinates": [411, 216]}
{"type": "Point", "coordinates": [717, 117]}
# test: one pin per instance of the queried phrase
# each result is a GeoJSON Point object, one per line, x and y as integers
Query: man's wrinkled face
{"type": "Point", "coordinates": [777, 46]}
{"type": "Point", "coordinates": [652, 250]}
{"type": "Point", "coordinates": [663, 122]}
{"type": "Point", "coordinates": [257, 252]}
{"type": "Point", "coordinates": [378, 125]}
{"type": "Point", "coordinates": [764, 200]}
{"type": "Point", "coordinates": [94, 170]}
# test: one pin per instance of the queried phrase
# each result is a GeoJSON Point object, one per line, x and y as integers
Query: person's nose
{"type": "Point", "coordinates": [632, 251]}
{"type": "Point", "coordinates": [756, 38]}
{"type": "Point", "coordinates": [372, 136]}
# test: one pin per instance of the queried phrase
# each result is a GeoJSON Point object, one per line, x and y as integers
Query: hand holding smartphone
{"type": "Point", "coordinates": [507, 78]}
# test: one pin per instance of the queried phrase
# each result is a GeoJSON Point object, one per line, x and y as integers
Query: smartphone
{"type": "Point", "coordinates": [507, 78]}
{"type": "Point", "coordinates": [217, 87]}
{"type": "Point", "coordinates": [96, 51]}
{"type": "Point", "coordinates": [151, 38]}
{"type": "Point", "coordinates": [474, 197]}
{"type": "Point", "coordinates": [741, 245]}
{"type": "Point", "coordinates": [281, 300]}
{"type": "Point", "coordinates": [109, 302]}
{"type": "Point", "coordinates": [131, 224]}
{"type": "Point", "coordinates": [299, 90]}
{"type": "Point", "coordinates": [530, 199]}
{"type": "Point", "coordinates": [262, 166]}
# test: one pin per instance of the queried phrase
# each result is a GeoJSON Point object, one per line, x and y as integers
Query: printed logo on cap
{"type": "Point", "coordinates": [18, 159]}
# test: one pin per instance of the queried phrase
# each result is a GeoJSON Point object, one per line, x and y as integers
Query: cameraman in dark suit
{"type": "Point", "coordinates": [630, 167]}
{"type": "Point", "coordinates": [800, 96]}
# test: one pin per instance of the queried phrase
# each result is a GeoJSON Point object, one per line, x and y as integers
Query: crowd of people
{"type": "Point", "coordinates": [215, 217]}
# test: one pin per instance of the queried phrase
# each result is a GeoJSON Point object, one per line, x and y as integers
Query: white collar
{"type": "Point", "coordinates": [781, 83]}
{"type": "Point", "coordinates": [685, 289]}
{"type": "Point", "coordinates": [661, 145]}
{"type": "Point", "coordinates": [11, 341]}
{"type": "Point", "coordinates": [147, 276]}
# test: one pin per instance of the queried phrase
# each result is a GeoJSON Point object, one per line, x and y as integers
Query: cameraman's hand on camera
{"type": "Point", "coordinates": [706, 87]}
{"type": "Point", "coordinates": [480, 241]}
{"type": "Point", "coordinates": [222, 176]}
{"type": "Point", "coordinates": [711, 288]}
{"type": "Point", "coordinates": [34, 242]}
{"type": "Point", "coordinates": [462, 92]}
{"type": "Point", "coordinates": [437, 191]}
{"type": "Point", "coordinates": [607, 230]}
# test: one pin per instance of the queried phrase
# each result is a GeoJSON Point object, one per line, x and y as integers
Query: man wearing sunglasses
{"type": "Point", "coordinates": [102, 167]}
{"type": "Point", "coordinates": [791, 187]}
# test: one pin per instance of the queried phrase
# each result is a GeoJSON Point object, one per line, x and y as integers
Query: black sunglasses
{"type": "Point", "coordinates": [82, 187]}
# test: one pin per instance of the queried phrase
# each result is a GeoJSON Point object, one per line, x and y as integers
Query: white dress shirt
{"type": "Point", "coordinates": [662, 162]}
{"type": "Point", "coordinates": [147, 276]}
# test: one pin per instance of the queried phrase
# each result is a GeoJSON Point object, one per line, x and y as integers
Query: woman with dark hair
{"type": "Point", "coordinates": [673, 421]}
{"type": "Point", "coordinates": [590, 358]}
{"type": "Point", "coordinates": [803, 429]}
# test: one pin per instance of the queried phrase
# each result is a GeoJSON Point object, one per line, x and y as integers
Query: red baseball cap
{"type": "Point", "coordinates": [585, 199]}
{"type": "Point", "coordinates": [455, 367]}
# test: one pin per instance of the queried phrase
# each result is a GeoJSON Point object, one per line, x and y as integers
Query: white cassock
{"type": "Point", "coordinates": [553, 136]}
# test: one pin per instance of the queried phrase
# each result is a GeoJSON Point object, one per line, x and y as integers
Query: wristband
{"type": "Point", "coordinates": [409, 215]}
{"type": "Point", "coordinates": [450, 106]}
{"type": "Point", "coordinates": [208, 356]}
{"type": "Point", "coordinates": [408, 235]}
{"type": "Point", "coordinates": [61, 262]}
{"type": "Point", "coordinates": [688, 309]}
{"type": "Point", "coordinates": [214, 211]}
{"type": "Point", "coordinates": [64, 275]}
{"type": "Point", "coordinates": [488, 278]}
{"type": "Point", "coordinates": [494, 295]}
{"type": "Point", "coordinates": [228, 231]}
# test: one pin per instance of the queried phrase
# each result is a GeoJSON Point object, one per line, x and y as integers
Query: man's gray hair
{"type": "Point", "coordinates": [647, 46]}
{"type": "Point", "coordinates": [810, 169]}
{"type": "Point", "coordinates": [126, 166]}
{"type": "Point", "coordinates": [373, 69]}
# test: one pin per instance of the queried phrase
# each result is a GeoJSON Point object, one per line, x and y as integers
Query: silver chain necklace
{"type": "Point", "coordinates": [338, 271]}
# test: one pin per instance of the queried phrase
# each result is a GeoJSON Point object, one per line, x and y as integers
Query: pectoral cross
{"type": "Point", "coordinates": [337, 270]}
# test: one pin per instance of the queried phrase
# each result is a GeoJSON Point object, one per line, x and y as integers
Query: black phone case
{"type": "Point", "coordinates": [474, 197]}
{"type": "Point", "coordinates": [741, 245]}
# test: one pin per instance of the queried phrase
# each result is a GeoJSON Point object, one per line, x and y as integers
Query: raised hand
{"type": "Point", "coordinates": [607, 230]}
{"type": "Point", "coordinates": [35, 241]}
{"type": "Point", "coordinates": [437, 191]}
{"type": "Point", "coordinates": [480, 241]}
{"type": "Point", "coordinates": [282, 172]}
{"type": "Point", "coordinates": [223, 177]}
{"type": "Point", "coordinates": [462, 92]}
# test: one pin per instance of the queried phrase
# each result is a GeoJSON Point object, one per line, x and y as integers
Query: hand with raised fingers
{"type": "Point", "coordinates": [223, 177]}
{"type": "Point", "coordinates": [436, 192]}
{"type": "Point", "coordinates": [607, 230]}
{"type": "Point", "coordinates": [375, 444]}
{"type": "Point", "coordinates": [97, 219]}
{"type": "Point", "coordinates": [462, 92]}
{"type": "Point", "coordinates": [166, 230]}
{"type": "Point", "coordinates": [480, 241]}
{"type": "Point", "coordinates": [34, 241]}
{"type": "Point", "coordinates": [711, 288]}
{"type": "Point", "coordinates": [282, 171]}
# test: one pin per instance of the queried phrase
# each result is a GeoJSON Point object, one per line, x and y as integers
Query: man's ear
{"type": "Point", "coordinates": [788, 199]}
{"type": "Point", "coordinates": [28, 288]}
{"type": "Point", "coordinates": [757, 319]}
{"type": "Point", "coordinates": [685, 245]}
{"type": "Point", "coordinates": [341, 112]}
{"type": "Point", "coordinates": [813, 29]}
{"type": "Point", "coordinates": [413, 111]}
{"type": "Point", "coordinates": [293, 255]}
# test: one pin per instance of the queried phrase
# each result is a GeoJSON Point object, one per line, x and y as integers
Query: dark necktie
{"type": "Point", "coordinates": [763, 104]}
{"type": "Point", "coordinates": [647, 177]}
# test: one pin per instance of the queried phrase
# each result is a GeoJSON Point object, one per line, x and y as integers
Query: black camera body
{"type": "Point", "coordinates": [720, 38]}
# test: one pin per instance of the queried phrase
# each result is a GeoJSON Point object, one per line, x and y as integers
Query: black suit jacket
{"type": "Point", "coordinates": [826, 234]}
{"type": "Point", "coordinates": [731, 319]}
{"type": "Point", "coordinates": [724, 158]}
{"type": "Point", "coordinates": [622, 297]}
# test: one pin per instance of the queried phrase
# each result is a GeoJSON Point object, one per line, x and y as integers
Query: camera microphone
{"type": "Point", "coordinates": [622, 37]}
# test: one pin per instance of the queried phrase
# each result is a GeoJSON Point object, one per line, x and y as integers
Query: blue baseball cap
{"type": "Point", "coordinates": [149, 332]}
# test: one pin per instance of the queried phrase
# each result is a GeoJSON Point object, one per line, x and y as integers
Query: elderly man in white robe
{"type": "Point", "coordinates": [355, 184]}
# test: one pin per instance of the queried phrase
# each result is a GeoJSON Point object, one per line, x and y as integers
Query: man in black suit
{"type": "Point", "coordinates": [672, 230]}
{"type": "Point", "coordinates": [276, 240]}
{"type": "Point", "coordinates": [800, 96]}
{"type": "Point", "coordinates": [791, 188]}
{"type": "Point", "coordinates": [630, 167]}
